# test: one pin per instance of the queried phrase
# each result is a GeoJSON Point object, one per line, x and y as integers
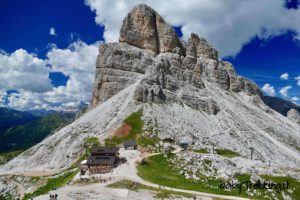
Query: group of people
{"type": "Point", "coordinates": [100, 169]}
{"type": "Point", "coordinates": [53, 196]}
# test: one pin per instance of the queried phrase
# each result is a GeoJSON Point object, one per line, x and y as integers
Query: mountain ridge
{"type": "Point", "coordinates": [26, 135]}
{"type": "Point", "coordinates": [11, 117]}
{"type": "Point", "coordinates": [280, 105]}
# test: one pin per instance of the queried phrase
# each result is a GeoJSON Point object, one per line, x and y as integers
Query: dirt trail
{"type": "Point", "coordinates": [20, 188]}
{"type": "Point", "coordinates": [37, 173]}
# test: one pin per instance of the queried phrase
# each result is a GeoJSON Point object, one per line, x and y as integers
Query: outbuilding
{"type": "Point", "coordinates": [184, 145]}
{"type": "Point", "coordinates": [130, 145]}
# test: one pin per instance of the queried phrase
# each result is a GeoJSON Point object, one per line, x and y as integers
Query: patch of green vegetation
{"type": "Point", "coordinates": [114, 141]}
{"type": "Point", "coordinates": [55, 182]}
{"type": "Point", "coordinates": [6, 196]}
{"type": "Point", "coordinates": [207, 162]}
{"type": "Point", "coordinates": [293, 184]}
{"type": "Point", "coordinates": [134, 186]}
{"type": "Point", "coordinates": [126, 184]}
{"type": "Point", "coordinates": [243, 177]}
{"type": "Point", "coordinates": [159, 170]}
{"type": "Point", "coordinates": [148, 141]}
{"type": "Point", "coordinates": [89, 143]}
{"type": "Point", "coordinates": [227, 153]}
{"type": "Point", "coordinates": [298, 148]}
{"type": "Point", "coordinates": [35, 179]}
{"type": "Point", "coordinates": [7, 156]}
{"type": "Point", "coordinates": [135, 122]}
{"type": "Point", "coordinates": [201, 150]}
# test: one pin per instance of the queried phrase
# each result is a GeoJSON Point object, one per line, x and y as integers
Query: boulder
{"type": "Point", "coordinates": [294, 115]}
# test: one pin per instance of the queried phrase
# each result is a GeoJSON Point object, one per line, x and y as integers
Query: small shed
{"type": "Point", "coordinates": [184, 145]}
{"type": "Point", "coordinates": [130, 145]}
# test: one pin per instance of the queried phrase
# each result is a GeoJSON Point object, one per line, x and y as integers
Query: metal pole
{"type": "Point", "coordinates": [252, 150]}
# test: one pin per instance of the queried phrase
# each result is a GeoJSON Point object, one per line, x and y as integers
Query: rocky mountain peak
{"type": "Point", "coordinates": [143, 27]}
{"type": "Point", "coordinates": [150, 51]}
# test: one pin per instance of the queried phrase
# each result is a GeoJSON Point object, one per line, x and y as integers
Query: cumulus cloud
{"type": "Point", "coordinates": [284, 90]}
{"type": "Point", "coordinates": [28, 75]}
{"type": "Point", "coordinates": [76, 62]}
{"type": "Point", "coordinates": [298, 80]}
{"type": "Point", "coordinates": [284, 76]}
{"type": "Point", "coordinates": [294, 98]}
{"type": "Point", "coordinates": [227, 25]}
{"type": "Point", "coordinates": [22, 70]}
{"type": "Point", "coordinates": [269, 89]}
{"type": "Point", "coordinates": [52, 31]}
{"type": "Point", "coordinates": [2, 98]}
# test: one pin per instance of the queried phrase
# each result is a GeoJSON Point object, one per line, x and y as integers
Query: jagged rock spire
{"type": "Point", "coordinates": [143, 27]}
{"type": "Point", "coordinates": [198, 47]}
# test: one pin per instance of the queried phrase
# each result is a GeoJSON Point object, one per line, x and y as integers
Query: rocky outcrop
{"type": "Point", "coordinates": [150, 50]}
{"type": "Point", "coordinates": [198, 47]}
{"type": "Point", "coordinates": [146, 29]}
{"type": "Point", "coordinates": [294, 116]}
{"type": "Point", "coordinates": [118, 65]}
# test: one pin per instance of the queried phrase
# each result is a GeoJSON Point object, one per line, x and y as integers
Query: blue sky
{"type": "Point", "coordinates": [46, 47]}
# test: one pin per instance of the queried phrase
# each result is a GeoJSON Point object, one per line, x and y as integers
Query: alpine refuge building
{"type": "Point", "coordinates": [103, 159]}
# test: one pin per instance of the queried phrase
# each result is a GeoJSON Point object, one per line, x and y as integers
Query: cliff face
{"type": "Point", "coordinates": [146, 29]}
{"type": "Point", "coordinates": [174, 71]}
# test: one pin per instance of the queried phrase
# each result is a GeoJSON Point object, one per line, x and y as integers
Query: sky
{"type": "Point", "coordinates": [48, 48]}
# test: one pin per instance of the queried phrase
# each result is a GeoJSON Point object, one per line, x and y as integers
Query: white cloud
{"type": "Point", "coordinates": [294, 98]}
{"type": "Point", "coordinates": [28, 75]}
{"type": "Point", "coordinates": [298, 80]}
{"type": "Point", "coordinates": [22, 70]}
{"type": "Point", "coordinates": [284, 91]}
{"type": "Point", "coordinates": [2, 98]}
{"type": "Point", "coordinates": [51, 46]}
{"type": "Point", "coordinates": [78, 63]}
{"type": "Point", "coordinates": [227, 25]}
{"type": "Point", "coordinates": [52, 31]}
{"type": "Point", "coordinates": [269, 89]}
{"type": "Point", "coordinates": [284, 76]}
